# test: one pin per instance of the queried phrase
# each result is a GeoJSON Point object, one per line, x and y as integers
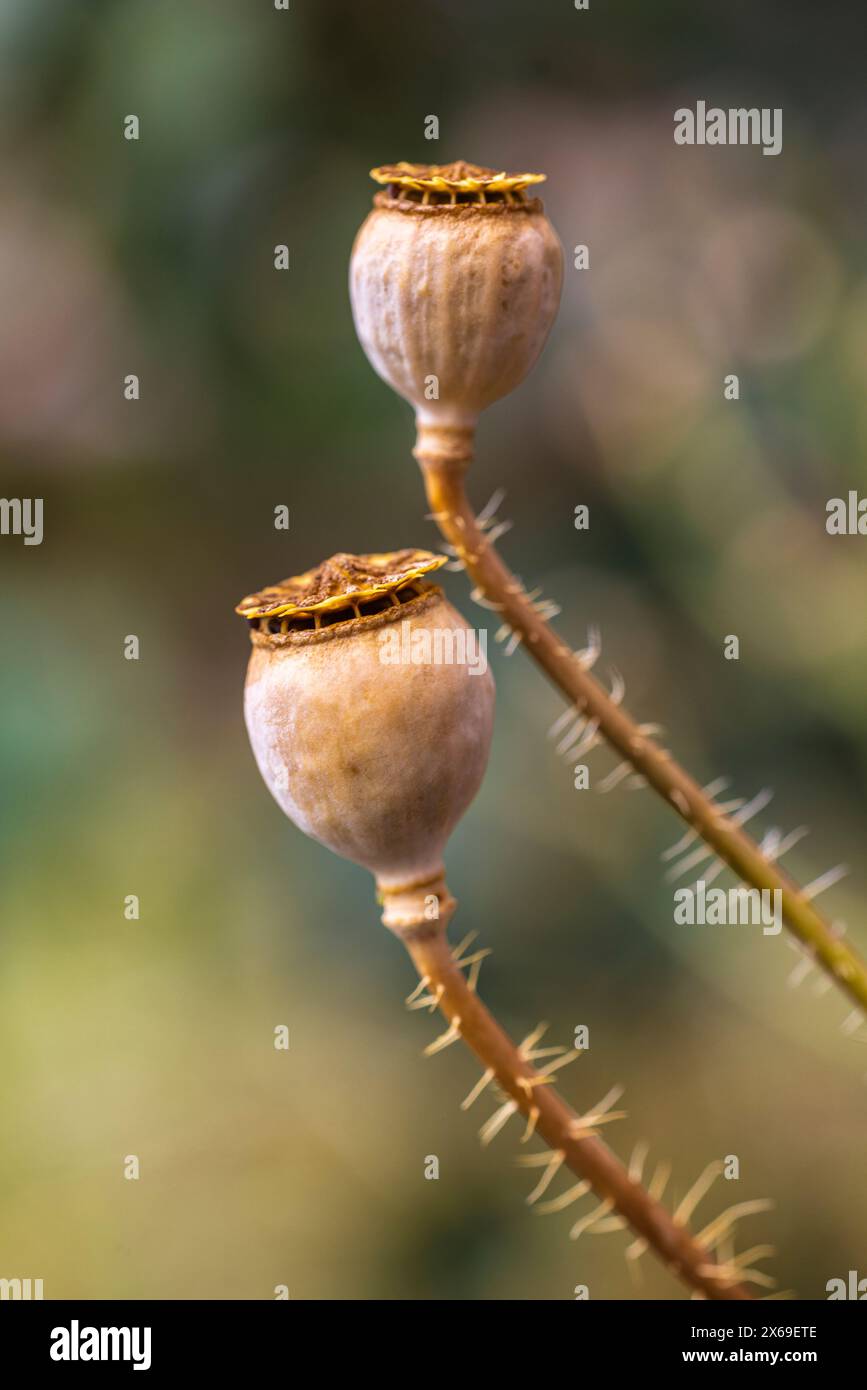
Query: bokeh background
{"type": "Point", "coordinates": [306, 1167]}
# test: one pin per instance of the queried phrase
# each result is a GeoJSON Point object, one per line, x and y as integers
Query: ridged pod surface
{"type": "Point", "coordinates": [455, 280]}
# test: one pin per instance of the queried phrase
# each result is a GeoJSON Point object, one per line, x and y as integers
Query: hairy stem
{"type": "Point", "coordinates": [557, 1123]}
{"type": "Point", "coordinates": [443, 456]}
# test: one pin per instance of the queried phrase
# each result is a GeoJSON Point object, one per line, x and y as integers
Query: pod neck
{"type": "Point", "coordinates": [416, 909]}
{"type": "Point", "coordinates": [449, 444]}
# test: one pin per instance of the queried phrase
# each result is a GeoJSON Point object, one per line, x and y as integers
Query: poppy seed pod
{"type": "Point", "coordinates": [370, 716]}
{"type": "Point", "coordinates": [455, 280]}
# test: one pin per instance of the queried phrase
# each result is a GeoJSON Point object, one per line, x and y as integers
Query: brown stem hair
{"type": "Point", "coordinates": [554, 1121]}
{"type": "Point", "coordinates": [444, 454]}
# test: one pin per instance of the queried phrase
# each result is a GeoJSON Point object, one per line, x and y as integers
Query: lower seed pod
{"type": "Point", "coordinates": [369, 707]}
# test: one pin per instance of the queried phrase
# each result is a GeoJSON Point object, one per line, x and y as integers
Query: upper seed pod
{"type": "Point", "coordinates": [370, 715]}
{"type": "Point", "coordinates": [455, 280]}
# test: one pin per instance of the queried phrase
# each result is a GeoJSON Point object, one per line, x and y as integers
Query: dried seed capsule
{"type": "Point", "coordinates": [455, 280]}
{"type": "Point", "coordinates": [370, 711]}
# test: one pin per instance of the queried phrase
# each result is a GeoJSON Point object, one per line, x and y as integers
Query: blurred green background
{"type": "Point", "coordinates": [306, 1167]}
